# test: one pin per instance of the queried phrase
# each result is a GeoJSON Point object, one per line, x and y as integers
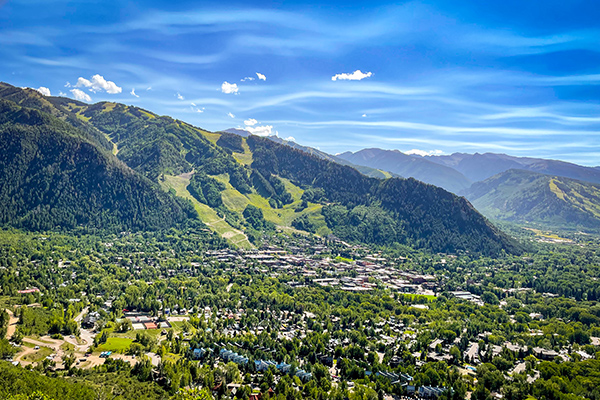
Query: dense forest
{"type": "Point", "coordinates": [55, 178]}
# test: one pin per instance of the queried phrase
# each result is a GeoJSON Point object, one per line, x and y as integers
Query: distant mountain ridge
{"type": "Point", "coordinates": [407, 166]}
{"type": "Point", "coordinates": [478, 167]}
{"type": "Point", "coordinates": [530, 197]}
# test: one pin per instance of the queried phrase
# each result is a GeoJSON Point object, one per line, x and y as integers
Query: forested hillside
{"type": "Point", "coordinates": [54, 176]}
{"type": "Point", "coordinates": [383, 212]}
{"type": "Point", "coordinates": [524, 196]}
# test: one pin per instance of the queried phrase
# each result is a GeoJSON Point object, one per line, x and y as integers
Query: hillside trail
{"type": "Point", "coordinates": [12, 324]}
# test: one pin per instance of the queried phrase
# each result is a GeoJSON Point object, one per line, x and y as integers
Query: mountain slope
{"type": "Point", "coordinates": [383, 211]}
{"type": "Point", "coordinates": [407, 166]}
{"type": "Point", "coordinates": [478, 167]}
{"type": "Point", "coordinates": [525, 196]}
{"type": "Point", "coordinates": [58, 107]}
{"type": "Point", "coordinates": [53, 175]}
{"type": "Point", "coordinates": [365, 170]}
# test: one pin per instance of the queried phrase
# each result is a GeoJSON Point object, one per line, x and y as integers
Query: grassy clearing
{"type": "Point", "coordinates": [415, 297]}
{"type": "Point", "coordinates": [212, 137]}
{"type": "Point", "coordinates": [116, 345]}
{"type": "Point", "coordinates": [207, 214]}
{"type": "Point", "coordinates": [39, 355]}
{"type": "Point", "coordinates": [244, 158]}
{"type": "Point", "coordinates": [132, 334]}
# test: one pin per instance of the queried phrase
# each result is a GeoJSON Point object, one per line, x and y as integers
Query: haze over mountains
{"type": "Point", "coordinates": [112, 167]}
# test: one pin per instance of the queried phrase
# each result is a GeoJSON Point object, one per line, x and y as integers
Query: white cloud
{"type": "Point", "coordinates": [68, 84]}
{"type": "Point", "coordinates": [81, 95]}
{"type": "Point", "coordinates": [355, 76]}
{"type": "Point", "coordinates": [229, 88]}
{"type": "Point", "coordinates": [98, 83]}
{"type": "Point", "coordinates": [248, 78]}
{"type": "Point", "coordinates": [133, 92]}
{"type": "Point", "coordinates": [290, 139]}
{"type": "Point", "coordinates": [44, 90]}
{"type": "Point", "coordinates": [265, 130]}
{"type": "Point", "coordinates": [179, 96]}
{"type": "Point", "coordinates": [424, 153]}
{"type": "Point", "coordinates": [149, 88]}
{"type": "Point", "coordinates": [364, 115]}
{"type": "Point", "coordinates": [231, 115]}
{"type": "Point", "coordinates": [61, 93]}
{"type": "Point", "coordinates": [261, 76]}
{"type": "Point", "coordinates": [250, 122]}
{"type": "Point", "coordinates": [199, 110]}
{"type": "Point", "coordinates": [193, 104]}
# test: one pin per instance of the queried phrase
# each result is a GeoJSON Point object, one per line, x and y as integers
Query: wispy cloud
{"type": "Point", "coordinates": [261, 76]}
{"type": "Point", "coordinates": [133, 93]}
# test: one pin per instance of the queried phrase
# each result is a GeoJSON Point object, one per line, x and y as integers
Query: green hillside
{"type": "Point", "coordinates": [54, 176]}
{"type": "Point", "coordinates": [529, 197]}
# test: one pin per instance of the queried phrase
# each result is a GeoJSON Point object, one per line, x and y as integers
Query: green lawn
{"type": "Point", "coordinates": [131, 334]}
{"type": "Point", "coordinates": [39, 355]}
{"type": "Point", "coordinates": [115, 344]}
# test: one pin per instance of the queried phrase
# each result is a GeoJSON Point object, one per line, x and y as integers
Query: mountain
{"type": "Point", "coordinates": [54, 175]}
{"type": "Point", "coordinates": [405, 165]}
{"type": "Point", "coordinates": [530, 197]}
{"type": "Point", "coordinates": [368, 171]}
{"type": "Point", "coordinates": [371, 172]}
{"type": "Point", "coordinates": [59, 174]}
{"type": "Point", "coordinates": [383, 211]}
{"type": "Point", "coordinates": [478, 167]}
{"type": "Point", "coordinates": [239, 132]}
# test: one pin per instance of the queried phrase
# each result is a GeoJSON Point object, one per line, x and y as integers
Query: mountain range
{"type": "Point", "coordinates": [503, 187]}
{"type": "Point", "coordinates": [112, 167]}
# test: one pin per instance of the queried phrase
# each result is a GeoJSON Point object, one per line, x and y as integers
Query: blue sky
{"type": "Point", "coordinates": [515, 77]}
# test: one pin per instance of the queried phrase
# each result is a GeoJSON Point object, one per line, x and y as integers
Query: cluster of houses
{"type": "Point", "coordinates": [362, 275]}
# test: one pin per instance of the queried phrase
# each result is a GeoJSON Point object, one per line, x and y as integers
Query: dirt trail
{"type": "Point", "coordinates": [12, 324]}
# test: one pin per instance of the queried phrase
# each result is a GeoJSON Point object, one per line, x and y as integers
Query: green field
{"type": "Point", "coordinates": [115, 344]}
{"type": "Point", "coordinates": [39, 355]}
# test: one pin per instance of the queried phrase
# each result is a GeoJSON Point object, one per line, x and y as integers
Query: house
{"type": "Point", "coordinates": [430, 392]}
{"type": "Point", "coordinates": [198, 354]}
{"type": "Point", "coordinates": [303, 375]}
{"type": "Point", "coordinates": [89, 321]}
{"type": "Point", "coordinates": [284, 368]}
{"type": "Point", "coordinates": [544, 353]}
